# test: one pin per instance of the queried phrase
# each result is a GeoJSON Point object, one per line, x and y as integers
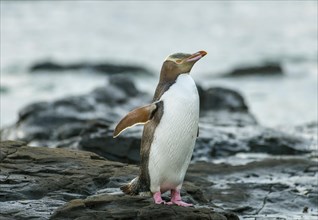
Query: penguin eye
{"type": "Point", "coordinates": [178, 61]}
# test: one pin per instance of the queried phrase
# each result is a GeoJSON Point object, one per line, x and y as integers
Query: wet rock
{"type": "Point", "coordinates": [260, 70]}
{"type": "Point", "coordinates": [49, 123]}
{"type": "Point", "coordinates": [219, 141]}
{"type": "Point", "coordinates": [42, 183]}
{"type": "Point", "coordinates": [108, 68]}
{"type": "Point", "coordinates": [226, 119]}
{"type": "Point", "coordinates": [33, 109]}
{"type": "Point", "coordinates": [260, 188]}
{"type": "Point", "coordinates": [277, 143]}
{"type": "Point", "coordinates": [116, 207]}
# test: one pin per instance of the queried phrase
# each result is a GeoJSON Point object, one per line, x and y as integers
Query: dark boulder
{"type": "Point", "coordinates": [218, 98]}
{"type": "Point", "coordinates": [266, 69]}
{"type": "Point", "coordinates": [33, 109]}
{"type": "Point", "coordinates": [125, 83]}
{"type": "Point", "coordinates": [108, 68]}
{"type": "Point", "coordinates": [100, 140]}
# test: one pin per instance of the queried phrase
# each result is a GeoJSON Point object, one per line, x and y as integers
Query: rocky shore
{"type": "Point", "coordinates": [42, 183]}
{"type": "Point", "coordinates": [75, 167]}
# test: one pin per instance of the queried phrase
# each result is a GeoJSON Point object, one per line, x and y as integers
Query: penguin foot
{"type": "Point", "coordinates": [157, 198]}
{"type": "Point", "coordinates": [176, 199]}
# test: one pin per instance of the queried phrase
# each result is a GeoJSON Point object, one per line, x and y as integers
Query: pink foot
{"type": "Point", "coordinates": [176, 199]}
{"type": "Point", "coordinates": [157, 198]}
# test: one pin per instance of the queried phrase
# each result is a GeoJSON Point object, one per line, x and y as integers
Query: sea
{"type": "Point", "coordinates": [234, 33]}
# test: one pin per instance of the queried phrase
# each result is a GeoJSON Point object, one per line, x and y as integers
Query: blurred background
{"type": "Point", "coordinates": [235, 34]}
{"type": "Point", "coordinates": [71, 69]}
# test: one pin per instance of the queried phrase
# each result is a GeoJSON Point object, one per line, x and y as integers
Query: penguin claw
{"type": "Point", "coordinates": [179, 203]}
{"type": "Point", "coordinates": [161, 202]}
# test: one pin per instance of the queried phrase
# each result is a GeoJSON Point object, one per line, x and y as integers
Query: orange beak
{"type": "Point", "coordinates": [196, 56]}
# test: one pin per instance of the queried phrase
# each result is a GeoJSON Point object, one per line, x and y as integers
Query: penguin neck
{"type": "Point", "coordinates": [169, 74]}
{"type": "Point", "coordinates": [167, 79]}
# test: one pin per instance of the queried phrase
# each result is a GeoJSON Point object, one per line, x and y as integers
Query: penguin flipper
{"type": "Point", "coordinates": [131, 188]}
{"type": "Point", "coordinates": [137, 116]}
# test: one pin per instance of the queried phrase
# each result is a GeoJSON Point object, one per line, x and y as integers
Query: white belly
{"type": "Point", "coordinates": [175, 135]}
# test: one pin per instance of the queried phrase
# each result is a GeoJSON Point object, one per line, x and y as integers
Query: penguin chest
{"type": "Point", "coordinates": [175, 135]}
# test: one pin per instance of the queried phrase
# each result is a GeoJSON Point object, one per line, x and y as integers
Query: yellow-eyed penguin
{"type": "Point", "coordinates": [170, 130]}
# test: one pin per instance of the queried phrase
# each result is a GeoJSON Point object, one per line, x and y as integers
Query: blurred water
{"type": "Point", "coordinates": [234, 34]}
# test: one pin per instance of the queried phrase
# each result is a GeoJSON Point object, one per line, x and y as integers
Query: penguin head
{"type": "Point", "coordinates": [179, 63]}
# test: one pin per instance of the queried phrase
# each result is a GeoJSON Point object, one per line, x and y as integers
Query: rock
{"type": "Point", "coordinates": [108, 68]}
{"type": "Point", "coordinates": [4, 89]}
{"type": "Point", "coordinates": [217, 98]}
{"type": "Point", "coordinates": [117, 207]}
{"type": "Point", "coordinates": [277, 143]}
{"type": "Point", "coordinates": [217, 141]}
{"type": "Point", "coordinates": [260, 188]}
{"type": "Point", "coordinates": [100, 140]}
{"type": "Point", "coordinates": [225, 118]}
{"type": "Point", "coordinates": [261, 70]}
{"type": "Point", "coordinates": [86, 122]}
{"type": "Point", "coordinates": [45, 123]}
{"type": "Point", "coordinates": [126, 84]}
{"type": "Point", "coordinates": [43, 183]}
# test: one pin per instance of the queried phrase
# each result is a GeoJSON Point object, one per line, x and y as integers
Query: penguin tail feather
{"type": "Point", "coordinates": [131, 188]}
